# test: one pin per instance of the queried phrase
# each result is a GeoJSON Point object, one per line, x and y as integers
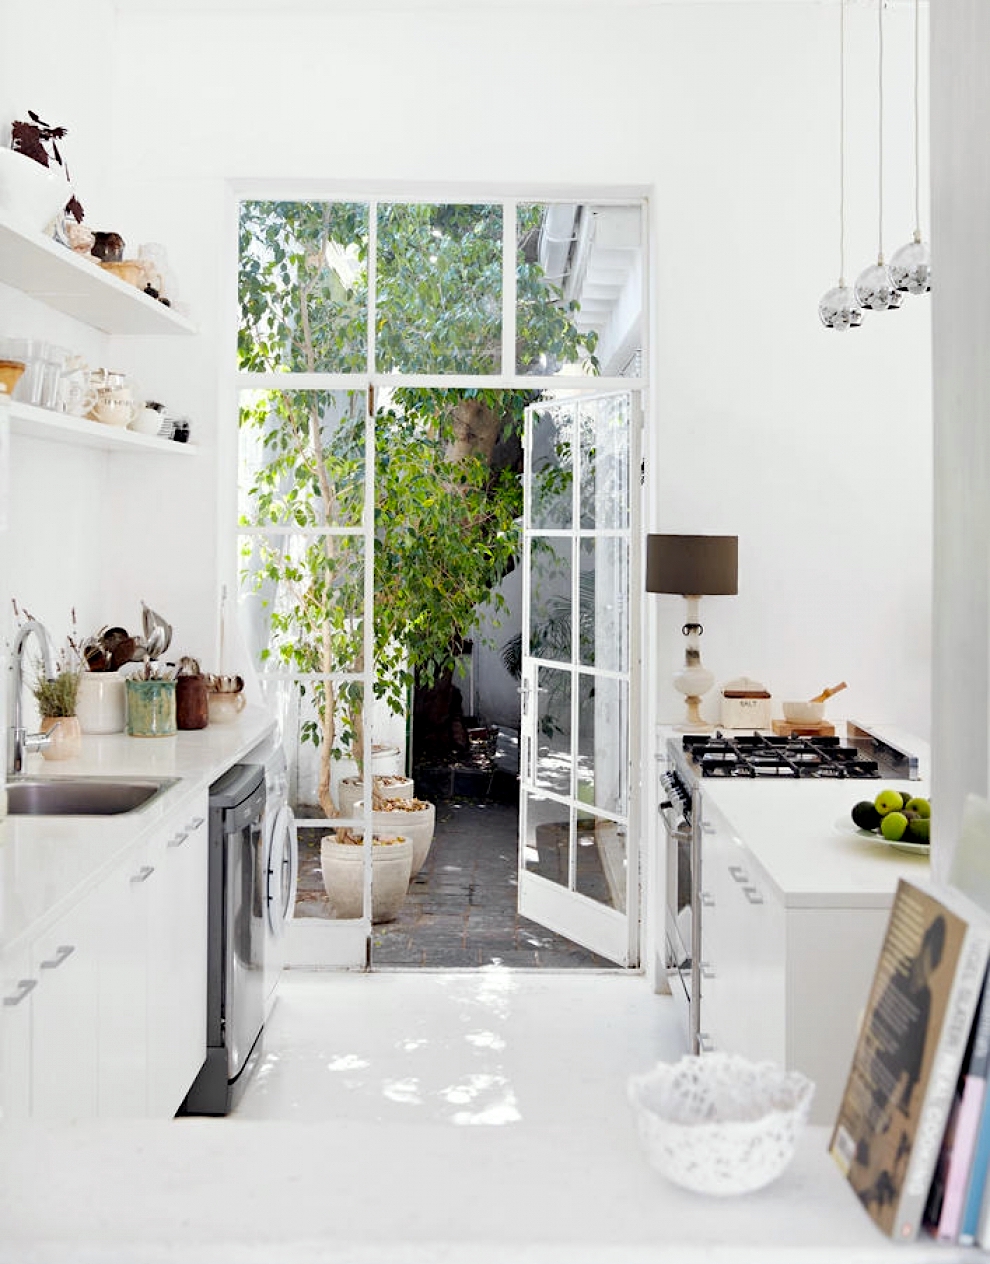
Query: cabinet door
{"type": "Point", "coordinates": [123, 1021]}
{"type": "Point", "coordinates": [64, 1044]}
{"type": "Point", "coordinates": [177, 945]}
{"type": "Point", "coordinates": [17, 983]}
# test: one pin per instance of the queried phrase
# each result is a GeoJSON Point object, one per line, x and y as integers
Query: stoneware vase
{"type": "Point", "coordinates": [416, 823]}
{"type": "Point", "coordinates": [151, 708]}
{"type": "Point", "coordinates": [66, 740]}
{"type": "Point", "coordinates": [101, 703]}
{"type": "Point", "coordinates": [343, 876]}
{"type": "Point", "coordinates": [389, 786]}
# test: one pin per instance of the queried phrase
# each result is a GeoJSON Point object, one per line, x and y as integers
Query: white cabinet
{"type": "Point", "coordinates": [152, 992]}
{"type": "Point", "coordinates": [49, 1034]}
{"type": "Point", "coordinates": [177, 949]}
{"type": "Point", "coordinates": [779, 981]}
{"type": "Point", "coordinates": [104, 1012]}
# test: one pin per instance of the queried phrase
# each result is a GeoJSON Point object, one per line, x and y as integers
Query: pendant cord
{"type": "Point", "coordinates": [842, 143]}
{"type": "Point", "coordinates": [917, 126]}
{"type": "Point", "coordinates": [880, 137]}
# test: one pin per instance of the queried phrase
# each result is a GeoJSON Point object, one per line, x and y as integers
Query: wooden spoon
{"type": "Point", "coordinates": [827, 693]}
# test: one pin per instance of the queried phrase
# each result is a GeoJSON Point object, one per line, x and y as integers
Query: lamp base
{"type": "Point", "coordinates": [692, 722]}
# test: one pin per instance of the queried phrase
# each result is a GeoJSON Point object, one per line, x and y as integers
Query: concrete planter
{"type": "Point", "coordinates": [417, 824]}
{"type": "Point", "coordinates": [388, 785]}
{"type": "Point", "coordinates": [343, 876]}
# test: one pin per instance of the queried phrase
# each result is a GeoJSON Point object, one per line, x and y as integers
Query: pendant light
{"type": "Point", "coordinates": [839, 308]}
{"type": "Point", "coordinates": [911, 266]}
{"type": "Point", "coordinates": [875, 288]}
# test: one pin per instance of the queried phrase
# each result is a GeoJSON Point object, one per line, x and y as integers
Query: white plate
{"type": "Point", "coordinates": [845, 826]}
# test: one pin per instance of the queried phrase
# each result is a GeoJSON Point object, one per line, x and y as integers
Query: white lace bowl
{"type": "Point", "coordinates": [719, 1124]}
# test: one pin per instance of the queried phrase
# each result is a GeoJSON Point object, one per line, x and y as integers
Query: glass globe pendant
{"type": "Point", "coordinates": [875, 288]}
{"type": "Point", "coordinates": [911, 267]}
{"type": "Point", "coordinates": [839, 308]}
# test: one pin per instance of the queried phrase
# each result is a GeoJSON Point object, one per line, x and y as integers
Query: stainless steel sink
{"type": "Point", "coordinates": [82, 796]}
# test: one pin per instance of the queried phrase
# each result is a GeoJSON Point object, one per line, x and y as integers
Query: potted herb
{"type": "Point", "coordinates": [56, 699]}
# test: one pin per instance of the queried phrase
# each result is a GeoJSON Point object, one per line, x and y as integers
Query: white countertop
{"type": "Point", "coordinates": [44, 861]}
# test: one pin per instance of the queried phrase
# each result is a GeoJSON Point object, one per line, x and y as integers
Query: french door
{"type": "Point", "coordinates": [578, 863]}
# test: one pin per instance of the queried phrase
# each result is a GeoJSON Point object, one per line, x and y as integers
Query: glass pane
{"type": "Point", "coordinates": [551, 470]}
{"type": "Point", "coordinates": [303, 287]}
{"type": "Point", "coordinates": [553, 735]}
{"type": "Point", "coordinates": [579, 281]}
{"type": "Point", "coordinates": [604, 593]}
{"type": "Point", "coordinates": [302, 458]}
{"type": "Point", "coordinates": [603, 718]}
{"type": "Point", "coordinates": [550, 600]}
{"type": "Point", "coordinates": [604, 439]}
{"type": "Point", "coordinates": [302, 601]}
{"type": "Point", "coordinates": [546, 848]}
{"type": "Point", "coordinates": [439, 289]}
{"type": "Point", "coordinates": [600, 869]}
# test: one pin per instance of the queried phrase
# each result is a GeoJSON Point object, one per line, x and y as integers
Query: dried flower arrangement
{"type": "Point", "coordinates": [56, 695]}
{"type": "Point", "coordinates": [38, 140]}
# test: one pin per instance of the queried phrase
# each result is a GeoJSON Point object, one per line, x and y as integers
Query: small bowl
{"type": "Point", "coordinates": [804, 712]}
{"type": "Point", "coordinates": [718, 1123]}
{"type": "Point", "coordinates": [128, 270]}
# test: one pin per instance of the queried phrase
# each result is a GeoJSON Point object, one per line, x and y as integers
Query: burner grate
{"type": "Point", "coordinates": [771, 756]}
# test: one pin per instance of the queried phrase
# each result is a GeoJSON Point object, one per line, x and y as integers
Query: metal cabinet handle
{"type": "Point", "coordinates": [195, 823]}
{"type": "Point", "coordinates": [707, 828]}
{"type": "Point", "coordinates": [707, 899]}
{"type": "Point", "coordinates": [61, 953]}
{"type": "Point", "coordinates": [144, 873]}
{"type": "Point", "coordinates": [753, 895]}
{"type": "Point", "coordinates": [179, 839]}
{"type": "Point", "coordinates": [24, 986]}
{"type": "Point", "coordinates": [705, 1042]}
{"type": "Point", "coordinates": [707, 970]}
{"type": "Point", "coordinates": [738, 872]}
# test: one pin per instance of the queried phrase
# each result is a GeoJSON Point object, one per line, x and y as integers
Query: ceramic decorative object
{"type": "Point", "coordinates": [101, 703]}
{"type": "Point", "coordinates": [66, 740]}
{"type": "Point", "coordinates": [151, 708]}
{"type": "Point", "coordinates": [719, 1124]}
{"type": "Point", "coordinates": [191, 705]}
{"type": "Point", "coordinates": [387, 786]}
{"type": "Point", "coordinates": [224, 707]}
{"type": "Point", "coordinates": [342, 865]}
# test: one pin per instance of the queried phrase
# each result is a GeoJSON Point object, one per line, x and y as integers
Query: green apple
{"type": "Point", "coordinates": [894, 826]}
{"type": "Point", "coordinates": [888, 801]}
{"type": "Point", "coordinates": [918, 830]}
{"type": "Point", "coordinates": [921, 806]}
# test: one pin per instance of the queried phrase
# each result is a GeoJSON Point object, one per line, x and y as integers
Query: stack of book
{"type": "Point", "coordinates": [912, 1135]}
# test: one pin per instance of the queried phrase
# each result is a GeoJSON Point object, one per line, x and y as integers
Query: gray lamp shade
{"type": "Point", "coordinates": [693, 565]}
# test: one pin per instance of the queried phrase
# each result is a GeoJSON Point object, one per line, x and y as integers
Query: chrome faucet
{"type": "Point", "coordinates": [19, 741]}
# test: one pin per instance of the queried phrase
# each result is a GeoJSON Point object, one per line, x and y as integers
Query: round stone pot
{"type": "Point", "coordinates": [343, 876]}
{"type": "Point", "coordinates": [66, 740]}
{"type": "Point", "coordinates": [415, 823]}
{"type": "Point", "coordinates": [388, 785]}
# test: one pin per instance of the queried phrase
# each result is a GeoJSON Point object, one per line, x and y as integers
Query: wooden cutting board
{"type": "Point", "coordinates": [789, 728]}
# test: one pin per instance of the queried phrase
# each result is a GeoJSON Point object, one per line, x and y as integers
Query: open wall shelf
{"type": "Point", "coordinates": [80, 288]}
{"type": "Point", "coordinates": [42, 423]}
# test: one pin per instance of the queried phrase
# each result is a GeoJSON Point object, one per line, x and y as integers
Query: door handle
{"type": "Point", "coordinates": [738, 872]}
{"type": "Point", "coordinates": [24, 986]}
{"type": "Point", "coordinates": [179, 839]}
{"type": "Point", "coordinates": [143, 874]}
{"type": "Point", "coordinates": [705, 1042]}
{"type": "Point", "coordinates": [63, 952]}
{"type": "Point", "coordinates": [707, 899]}
{"type": "Point", "coordinates": [753, 895]}
{"type": "Point", "coordinates": [707, 971]}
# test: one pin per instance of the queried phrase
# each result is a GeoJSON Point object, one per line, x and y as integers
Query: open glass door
{"type": "Point", "coordinates": [578, 871]}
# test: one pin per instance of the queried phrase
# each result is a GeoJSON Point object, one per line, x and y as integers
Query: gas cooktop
{"type": "Point", "coordinates": [760, 755]}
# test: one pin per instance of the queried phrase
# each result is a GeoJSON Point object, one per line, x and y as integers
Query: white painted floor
{"type": "Point", "coordinates": [420, 1118]}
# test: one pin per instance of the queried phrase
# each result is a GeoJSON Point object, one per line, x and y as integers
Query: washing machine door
{"type": "Point", "coordinates": [281, 870]}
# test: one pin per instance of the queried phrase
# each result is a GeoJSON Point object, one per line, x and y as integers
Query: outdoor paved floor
{"type": "Point", "coordinates": [461, 908]}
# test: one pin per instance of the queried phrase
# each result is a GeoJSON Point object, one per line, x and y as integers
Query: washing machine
{"type": "Point", "coordinates": [279, 861]}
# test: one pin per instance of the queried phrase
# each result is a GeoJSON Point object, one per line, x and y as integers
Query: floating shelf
{"type": "Point", "coordinates": [80, 288]}
{"type": "Point", "coordinates": [42, 423]}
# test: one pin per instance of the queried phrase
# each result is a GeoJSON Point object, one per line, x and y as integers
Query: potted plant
{"type": "Point", "coordinates": [342, 866]}
{"type": "Point", "coordinates": [56, 699]}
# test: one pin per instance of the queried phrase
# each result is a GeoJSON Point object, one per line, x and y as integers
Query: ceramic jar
{"type": "Point", "coordinates": [191, 707]}
{"type": "Point", "coordinates": [66, 740]}
{"type": "Point", "coordinates": [101, 703]}
{"type": "Point", "coordinates": [151, 708]}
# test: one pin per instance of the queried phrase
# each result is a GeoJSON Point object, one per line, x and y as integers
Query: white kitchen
{"type": "Point", "coordinates": [848, 466]}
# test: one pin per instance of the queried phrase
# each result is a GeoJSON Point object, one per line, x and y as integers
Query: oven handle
{"type": "Point", "coordinates": [674, 824]}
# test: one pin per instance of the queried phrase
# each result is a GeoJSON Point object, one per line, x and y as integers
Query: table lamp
{"type": "Point", "coordinates": [694, 566]}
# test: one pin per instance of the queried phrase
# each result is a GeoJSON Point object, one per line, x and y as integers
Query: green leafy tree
{"type": "Point", "coordinates": [447, 494]}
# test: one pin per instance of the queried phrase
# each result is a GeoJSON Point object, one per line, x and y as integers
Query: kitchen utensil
{"type": "Point", "coordinates": [123, 652]}
{"type": "Point", "coordinates": [156, 642]}
{"type": "Point", "coordinates": [151, 620]}
{"type": "Point", "coordinates": [94, 655]}
{"type": "Point", "coordinates": [804, 712]}
{"type": "Point", "coordinates": [827, 693]}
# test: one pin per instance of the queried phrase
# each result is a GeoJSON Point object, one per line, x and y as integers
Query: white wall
{"type": "Point", "coordinates": [814, 448]}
